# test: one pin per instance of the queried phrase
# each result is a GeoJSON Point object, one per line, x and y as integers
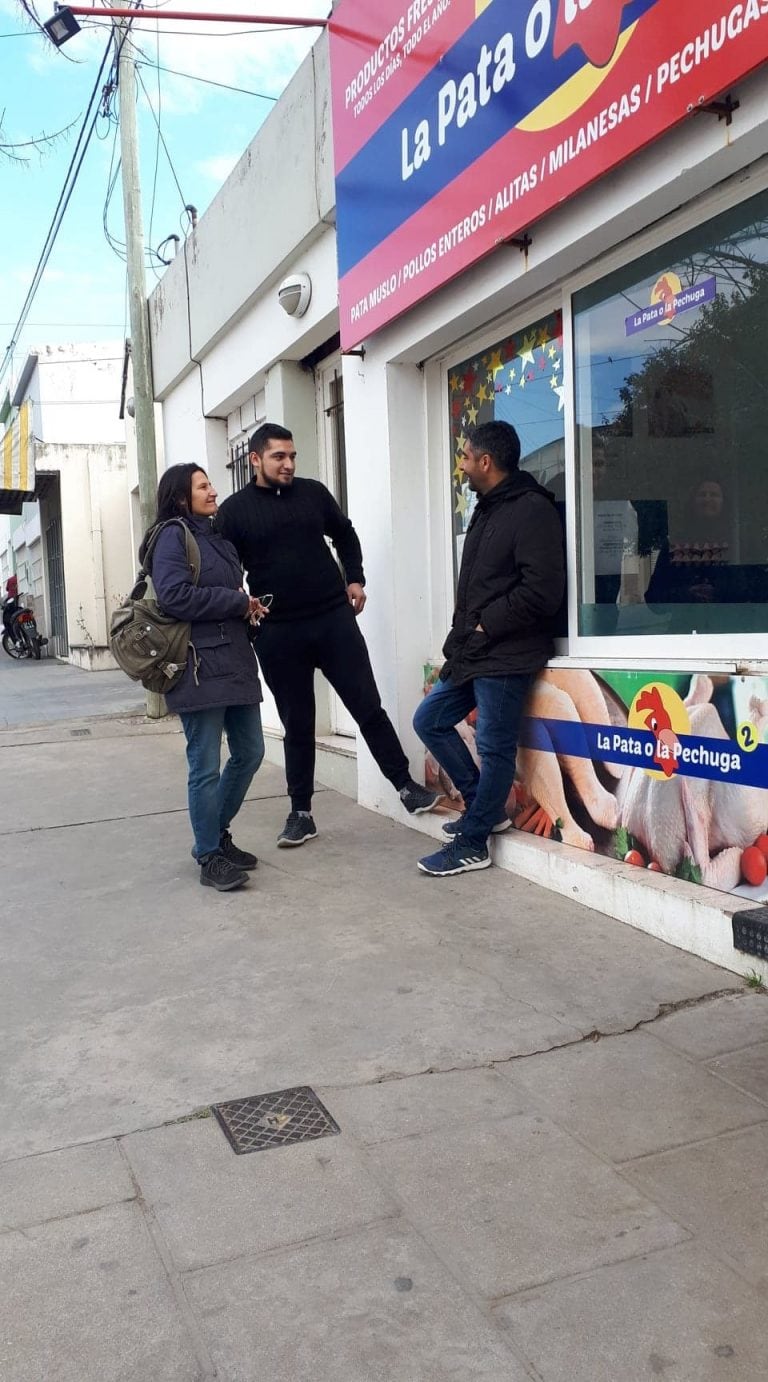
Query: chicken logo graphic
{"type": "Point", "coordinates": [593, 25]}
{"type": "Point", "coordinates": [658, 722]}
{"type": "Point", "coordinates": [665, 291]}
{"type": "Point", "coordinates": [658, 708]}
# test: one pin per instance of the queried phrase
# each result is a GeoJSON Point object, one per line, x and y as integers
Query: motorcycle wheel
{"type": "Point", "coordinates": [13, 650]}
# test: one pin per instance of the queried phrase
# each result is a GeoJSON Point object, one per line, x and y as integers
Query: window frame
{"type": "Point", "coordinates": [740, 652]}
{"type": "Point", "coordinates": [511, 323]}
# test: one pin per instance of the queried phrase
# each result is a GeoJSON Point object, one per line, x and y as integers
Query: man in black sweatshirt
{"type": "Point", "coordinates": [510, 591]}
{"type": "Point", "coordinates": [279, 525]}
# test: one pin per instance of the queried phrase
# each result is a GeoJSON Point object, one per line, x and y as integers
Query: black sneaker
{"type": "Point", "coordinates": [217, 872]}
{"type": "Point", "coordinates": [298, 828]}
{"type": "Point", "coordinates": [453, 828]}
{"type": "Point", "coordinates": [239, 857]}
{"type": "Point", "coordinates": [417, 799]}
{"type": "Point", "coordinates": [455, 857]}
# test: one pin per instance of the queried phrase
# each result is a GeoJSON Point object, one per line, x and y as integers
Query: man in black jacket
{"type": "Point", "coordinates": [279, 525]}
{"type": "Point", "coordinates": [511, 586]}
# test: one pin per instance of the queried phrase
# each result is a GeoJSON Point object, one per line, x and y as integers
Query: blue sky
{"type": "Point", "coordinates": [82, 294]}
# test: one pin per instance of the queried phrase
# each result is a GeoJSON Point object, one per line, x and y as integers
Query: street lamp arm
{"type": "Point", "coordinates": [130, 12]}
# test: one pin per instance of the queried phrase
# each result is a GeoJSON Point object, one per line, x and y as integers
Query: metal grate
{"type": "Point", "coordinates": [240, 465]}
{"type": "Point", "coordinates": [750, 932]}
{"type": "Point", "coordinates": [79, 733]}
{"type": "Point", "coordinates": [274, 1120]}
{"type": "Point", "coordinates": [54, 549]}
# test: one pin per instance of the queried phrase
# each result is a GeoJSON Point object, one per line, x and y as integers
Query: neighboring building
{"type": "Point", "coordinates": [625, 335]}
{"type": "Point", "coordinates": [66, 531]}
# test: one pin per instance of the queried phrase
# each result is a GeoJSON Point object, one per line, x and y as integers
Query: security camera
{"type": "Point", "coordinates": [130, 407]}
{"type": "Point", "coordinates": [294, 294]}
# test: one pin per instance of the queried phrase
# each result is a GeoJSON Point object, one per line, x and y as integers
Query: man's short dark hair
{"type": "Point", "coordinates": [499, 440]}
{"type": "Point", "coordinates": [269, 431]}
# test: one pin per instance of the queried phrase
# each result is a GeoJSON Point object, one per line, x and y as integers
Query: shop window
{"type": "Point", "coordinates": [672, 435]}
{"type": "Point", "coordinates": [520, 380]}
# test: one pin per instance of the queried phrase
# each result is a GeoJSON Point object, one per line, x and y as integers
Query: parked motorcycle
{"type": "Point", "coordinates": [20, 636]}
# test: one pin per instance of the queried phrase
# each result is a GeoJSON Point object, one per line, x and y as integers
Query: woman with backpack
{"type": "Point", "coordinates": [219, 691]}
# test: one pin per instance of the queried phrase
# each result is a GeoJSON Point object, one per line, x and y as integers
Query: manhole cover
{"type": "Point", "coordinates": [79, 733]}
{"type": "Point", "coordinates": [274, 1120]}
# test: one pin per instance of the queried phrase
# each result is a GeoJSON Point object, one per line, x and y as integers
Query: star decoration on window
{"type": "Point", "coordinates": [496, 362]}
{"type": "Point", "coordinates": [529, 345]}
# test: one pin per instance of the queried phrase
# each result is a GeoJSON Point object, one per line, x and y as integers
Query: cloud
{"type": "Point", "coordinates": [233, 54]}
{"type": "Point", "coordinates": [219, 51]}
{"type": "Point", "coordinates": [219, 167]}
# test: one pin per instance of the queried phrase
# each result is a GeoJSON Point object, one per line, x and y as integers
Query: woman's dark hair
{"type": "Point", "coordinates": [174, 497]}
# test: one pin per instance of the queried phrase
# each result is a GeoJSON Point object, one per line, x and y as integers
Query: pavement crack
{"type": "Point", "coordinates": [130, 816]}
{"type": "Point", "coordinates": [207, 1368]}
{"type": "Point", "coordinates": [595, 1035]}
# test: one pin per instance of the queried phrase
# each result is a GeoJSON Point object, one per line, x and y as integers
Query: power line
{"type": "Point", "coordinates": [208, 81]}
{"type": "Point", "coordinates": [76, 162]}
{"type": "Point", "coordinates": [198, 33]}
{"type": "Point", "coordinates": [157, 140]}
{"type": "Point", "coordinates": [161, 136]}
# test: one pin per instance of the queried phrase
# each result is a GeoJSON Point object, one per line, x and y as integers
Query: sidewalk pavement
{"type": "Point", "coordinates": [48, 691]}
{"type": "Point", "coordinates": [554, 1129]}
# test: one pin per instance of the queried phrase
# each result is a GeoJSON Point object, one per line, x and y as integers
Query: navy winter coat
{"type": "Point", "coordinates": [221, 666]}
{"type": "Point", "coordinates": [511, 581]}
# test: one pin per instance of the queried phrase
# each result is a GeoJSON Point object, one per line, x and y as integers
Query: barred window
{"type": "Point", "coordinates": [239, 465]}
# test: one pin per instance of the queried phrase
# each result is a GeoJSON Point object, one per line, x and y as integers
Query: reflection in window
{"type": "Point", "coordinates": [517, 380]}
{"type": "Point", "coordinates": [672, 432]}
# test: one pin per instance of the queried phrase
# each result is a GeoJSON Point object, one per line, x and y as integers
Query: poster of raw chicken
{"type": "Point", "coordinates": [664, 771]}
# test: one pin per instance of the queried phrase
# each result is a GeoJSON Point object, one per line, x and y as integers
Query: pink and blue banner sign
{"type": "Point", "coordinates": [459, 123]}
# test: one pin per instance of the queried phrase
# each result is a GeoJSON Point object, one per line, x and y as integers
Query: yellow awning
{"type": "Point", "coordinates": [17, 454]}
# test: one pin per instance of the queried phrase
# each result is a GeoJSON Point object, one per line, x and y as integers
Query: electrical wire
{"type": "Point", "coordinates": [117, 246]}
{"type": "Point", "coordinates": [207, 81]}
{"type": "Point", "coordinates": [157, 140]}
{"type": "Point", "coordinates": [197, 33]}
{"type": "Point", "coordinates": [161, 136]}
{"type": "Point", "coordinates": [81, 148]}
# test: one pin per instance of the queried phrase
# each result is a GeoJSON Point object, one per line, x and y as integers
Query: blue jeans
{"type": "Point", "coordinates": [215, 797]}
{"type": "Point", "coordinates": [499, 702]}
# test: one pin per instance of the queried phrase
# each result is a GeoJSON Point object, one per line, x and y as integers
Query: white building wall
{"type": "Point", "coordinates": [242, 343]}
{"type": "Point", "coordinates": [76, 390]}
{"type": "Point", "coordinates": [79, 435]}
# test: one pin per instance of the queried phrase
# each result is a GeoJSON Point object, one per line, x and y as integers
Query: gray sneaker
{"type": "Point", "coordinates": [453, 828]}
{"type": "Point", "coordinates": [417, 799]}
{"type": "Point", "coordinates": [217, 872]}
{"type": "Point", "coordinates": [298, 828]}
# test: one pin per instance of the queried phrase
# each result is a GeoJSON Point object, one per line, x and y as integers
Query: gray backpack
{"type": "Point", "coordinates": [151, 647]}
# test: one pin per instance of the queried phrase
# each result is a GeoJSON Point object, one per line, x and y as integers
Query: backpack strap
{"type": "Point", "coordinates": [194, 559]}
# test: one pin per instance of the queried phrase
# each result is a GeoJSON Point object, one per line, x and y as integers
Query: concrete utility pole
{"type": "Point", "coordinates": [143, 392]}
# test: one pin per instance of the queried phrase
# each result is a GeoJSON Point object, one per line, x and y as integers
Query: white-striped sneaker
{"type": "Point", "coordinates": [453, 828]}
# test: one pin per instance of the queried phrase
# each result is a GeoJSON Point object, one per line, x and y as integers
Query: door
{"type": "Point", "coordinates": [54, 555]}
{"type": "Point", "coordinates": [333, 473]}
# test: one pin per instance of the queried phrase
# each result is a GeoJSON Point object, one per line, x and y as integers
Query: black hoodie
{"type": "Point", "coordinates": [279, 535]}
{"type": "Point", "coordinates": [512, 581]}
